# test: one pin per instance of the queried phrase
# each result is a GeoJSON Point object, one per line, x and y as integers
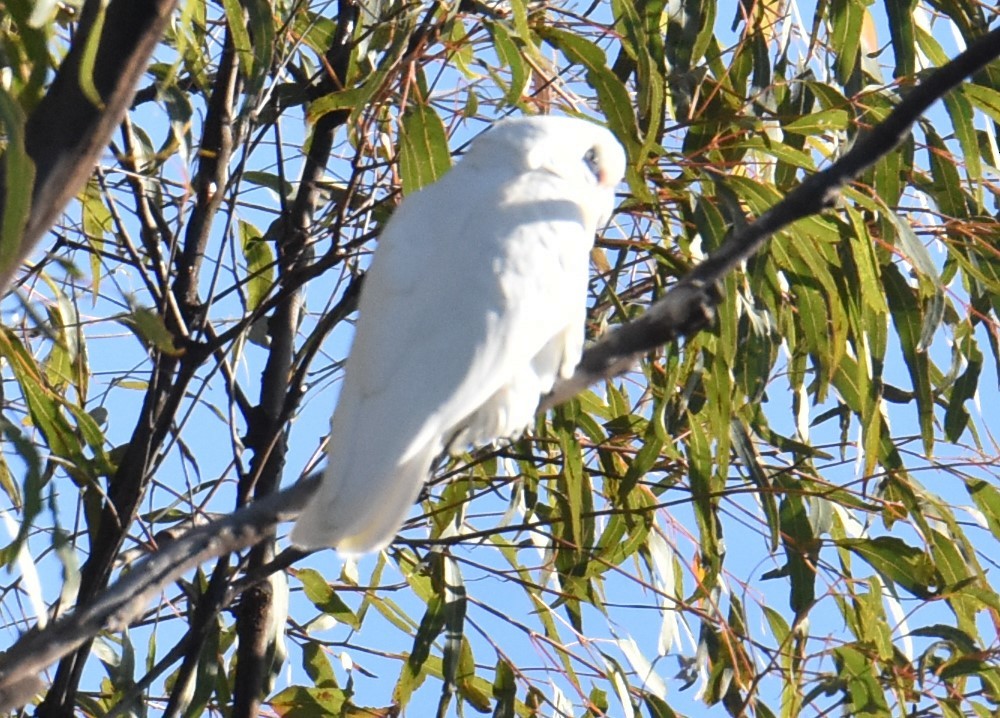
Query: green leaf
{"type": "Point", "coordinates": [26, 44]}
{"type": "Point", "coordinates": [504, 689]}
{"type": "Point", "coordinates": [962, 121]}
{"type": "Point", "coordinates": [779, 626]}
{"type": "Point", "coordinates": [901, 30]}
{"type": "Point", "coordinates": [802, 552]}
{"type": "Point", "coordinates": [260, 264]}
{"type": "Point", "coordinates": [744, 447]}
{"type": "Point", "coordinates": [986, 99]}
{"type": "Point", "coordinates": [647, 456]}
{"type": "Point", "coordinates": [690, 29]}
{"type": "Point", "coordinates": [865, 264]}
{"type": "Point", "coordinates": [907, 319]}
{"type": "Point", "coordinates": [277, 184]}
{"type": "Point", "coordinates": [847, 18]}
{"type": "Point", "coordinates": [261, 26]}
{"type": "Point", "coordinates": [987, 500]}
{"type": "Point", "coordinates": [612, 95]}
{"type": "Point", "coordinates": [574, 492]}
{"type": "Point", "coordinates": [29, 499]}
{"type": "Point", "coordinates": [97, 222]}
{"type": "Point", "coordinates": [412, 674]}
{"type": "Point", "coordinates": [897, 562]}
{"type": "Point", "coordinates": [323, 597]}
{"type": "Point", "coordinates": [961, 640]}
{"type": "Point", "coordinates": [510, 58]}
{"type": "Point", "coordinates": [791, 157]}
{"type": "Point", "coordinates": [309, 701]}
{"type": "Point", "coordinates": [44, 406]}
{"type": "Point", "coordinates": [858, 678]}
{"type": "Point", "coordinates": [423, 148]}
{"type": "Point", "coordinates": [17, 197]}
{"type": "Point", "coordinates": [430, 628]}
{"type": "Point", "coordinates": [956, 418]}
{"type": "Point", "coordinates": [152, 330]}
{"type": "Point", "coordinates": [642, 38]}
{"type": "Point", "coordinates": [318, 33]}
{"type": "Point", "coordinates": [703, 491]}
{"type": "Point", "coordinates": [317, 666]}
{"type": "Point", "coordinates": [947, 187]}
{"type": "Point", "coordinates": [818, 123]}
{"type": "Point", "coordinates": [340, 100]}
{"type": "Point", "coordinates": [457, 663]}
{"type": "Point", "coordinates": [89, 57]}
{"type": "Point", "coordinates": [239, 31]}
{"type": "Point", "coordinates": [474, 690]}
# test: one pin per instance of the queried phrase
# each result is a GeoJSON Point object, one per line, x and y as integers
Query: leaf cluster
{"type": "Point", "coordinates": [794, 512]}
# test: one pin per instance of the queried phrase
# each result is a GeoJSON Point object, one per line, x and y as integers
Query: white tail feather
{"type": "Point", "coordinates": [360, 514]}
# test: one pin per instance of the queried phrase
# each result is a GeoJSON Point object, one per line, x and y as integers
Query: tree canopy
{"type": "Point", "coordinates": [793, 511]}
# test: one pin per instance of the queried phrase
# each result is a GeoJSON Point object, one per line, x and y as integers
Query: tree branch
{"type": "Point", "coordinates": [689, 305]}
{"type": "Point", "coordinates": [66, 132]}
{"type": "Point", "coordinates": [123, 602]}
{"type": "Point", "coordinates": [268, 430]}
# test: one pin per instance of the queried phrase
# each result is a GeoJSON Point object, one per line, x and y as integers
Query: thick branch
{"type": "Point", "coordinates": [215, 152]}
{"type": "Point", "coordinates": [66, 132]}
{"type": "Point", "coordinates": [267, 435]}
{"type": "Point", "coordinates": [689, 304]}
{"type": "Point", "coordinates": [122, 603]}
{"type": "Point", "coordinates": [169, 377]}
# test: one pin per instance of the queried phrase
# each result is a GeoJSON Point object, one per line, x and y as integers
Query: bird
{"type": "Point", "coordinates": [473, 305]}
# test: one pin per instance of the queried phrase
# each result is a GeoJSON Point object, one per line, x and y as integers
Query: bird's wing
{"type": "Point", "coordinates": [454, 305]}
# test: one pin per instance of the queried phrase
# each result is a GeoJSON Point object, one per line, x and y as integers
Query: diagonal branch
{"type": "Point", "coordinates": [123, 602]}
{"type": "Point", "coordinates": [67, 132]}
{"type": "Point", "coordinates": [688, 306]}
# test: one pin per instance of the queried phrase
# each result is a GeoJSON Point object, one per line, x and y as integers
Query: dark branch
{"type": "Point", "coordinates": [66, 132]}
{"type": "Point", "coordinates": [123, 602]}
{"type": "Point", "coordinates": [267, 430]}
{"type": "Point", "coordinates": [689, 304]}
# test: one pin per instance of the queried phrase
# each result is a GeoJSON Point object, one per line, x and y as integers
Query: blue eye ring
{"type": "Point", "coordinates": [591, 160]}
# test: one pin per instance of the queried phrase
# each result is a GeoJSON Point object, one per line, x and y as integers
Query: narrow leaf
{"type": "Point", "coordinates": [423, 148]}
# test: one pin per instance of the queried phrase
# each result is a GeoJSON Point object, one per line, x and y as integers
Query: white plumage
{"type": "Point", "coordinates": [474, 304]}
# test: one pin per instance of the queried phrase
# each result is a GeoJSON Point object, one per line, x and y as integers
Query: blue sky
{"type": "Point", "coordinates": [196, 467]}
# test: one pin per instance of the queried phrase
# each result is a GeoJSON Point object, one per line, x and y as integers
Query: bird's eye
{"type": "Point", "coordinates": [591, 160]}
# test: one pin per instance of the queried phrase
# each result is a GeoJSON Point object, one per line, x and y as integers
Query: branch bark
{"type": "Point", "coordinates": [66, 132]}
{"type": "Point", "coordinates": [267, 433]}
{"type": "Point", "coordinates": [689, 305]}
{"type": "Point", "coordinates": [123, 602]}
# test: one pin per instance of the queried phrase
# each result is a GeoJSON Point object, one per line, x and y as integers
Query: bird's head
{"type": "Point", "coordinates": [575, 150]}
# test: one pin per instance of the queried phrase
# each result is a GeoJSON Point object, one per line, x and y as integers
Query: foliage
{"type": "Point", "coordinates": [792, 513]}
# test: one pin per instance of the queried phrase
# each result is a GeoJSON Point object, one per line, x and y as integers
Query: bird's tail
{"type": "Point", "coordinates": [361, 513]}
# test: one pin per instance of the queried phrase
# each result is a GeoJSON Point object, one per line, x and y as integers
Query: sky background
{"type": "Point", "coordinates": [636, 630]}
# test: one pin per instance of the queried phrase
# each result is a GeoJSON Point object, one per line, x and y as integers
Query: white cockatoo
{"type": "Point", "coordinates": [474, 305]}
